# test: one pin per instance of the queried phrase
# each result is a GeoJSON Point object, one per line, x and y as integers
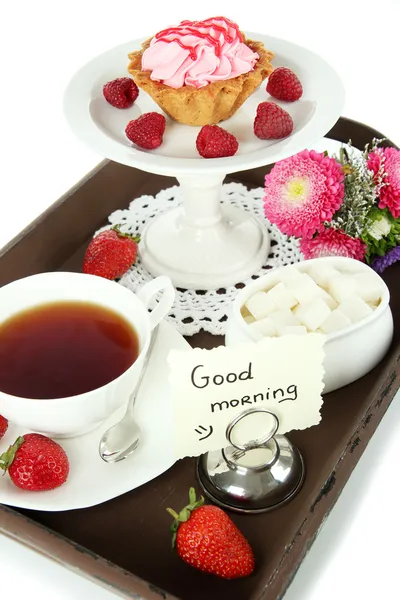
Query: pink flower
{"type": "Point", "coordinates": [389, 193]}
{"type": "Point", "coordinates": [333, 242]}
{"type": "Point", "coordinates": [303, 191]}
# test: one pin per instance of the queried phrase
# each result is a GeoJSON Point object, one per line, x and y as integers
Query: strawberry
{"type": "Point", "coordinates": [147, 131]}
{"type": "Point", "coordinates": [215, 142]}
{"type": "Point", "coordinates": [35, 463]}
{"type": "Point", "coordinates": [283, 84]}
{"type": "Point", "coordinates": [206, 538]}
{"type": "Point", "coordinates": [272, 122]}
{"type": "Point", "coordinates": [3, 426]}
{"type": "Point", "coordinates": [121, 92]}
{"type": "Point", "coordinates": [111, 253]}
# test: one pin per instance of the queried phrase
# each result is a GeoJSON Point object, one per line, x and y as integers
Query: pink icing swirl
{"type": "Point", "coordinates": [196, 53]}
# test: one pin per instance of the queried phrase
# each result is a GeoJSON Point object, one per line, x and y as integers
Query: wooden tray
{"type": "Point", "coordinates": [125, 543]}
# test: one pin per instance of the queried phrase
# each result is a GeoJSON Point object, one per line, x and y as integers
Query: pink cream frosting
{"type": "Point", "coordinates": [196, 53]}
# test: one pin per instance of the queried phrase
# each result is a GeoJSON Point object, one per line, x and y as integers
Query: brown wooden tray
{"type": "Point", "coordinates": [125, 543]}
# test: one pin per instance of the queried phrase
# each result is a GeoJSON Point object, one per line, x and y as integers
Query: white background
{"type": "Point", "coordinates": [42, 44]}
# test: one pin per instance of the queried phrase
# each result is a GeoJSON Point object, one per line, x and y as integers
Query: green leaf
{"type": "Point", "coordinates": [192, 496]}
{"type": "Point", "coordinates": [8, 456]}
{"type": "Point", "coordinates": [173, 541]}
{"type": "Point", "coordinates": [184, 514]}
{"type": "Point", "coordinates": [134, 238]}
{"type": "Point", "coordinates": [173, 513]}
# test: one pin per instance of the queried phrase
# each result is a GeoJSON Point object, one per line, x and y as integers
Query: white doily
{"type": "Point", "coordinates": [195, 310]}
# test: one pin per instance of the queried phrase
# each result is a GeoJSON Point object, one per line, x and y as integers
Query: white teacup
{"type": "Point", "coordinates": [75, 415]}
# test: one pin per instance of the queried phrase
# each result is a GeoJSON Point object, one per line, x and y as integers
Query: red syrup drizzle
{"type": "Point", "coordinates": [191, 27]}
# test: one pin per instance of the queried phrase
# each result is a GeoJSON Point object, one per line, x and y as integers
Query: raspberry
{"type": "Point", "coordinates": [215, 142]}
{"type": "Point", "coordinates": [121, 92]}
{"type": "Point", "coordinates": [147, 131]}
{"type": "Point", "coordinates": [283, 84]}
{"type": "Point", "coordinates": [272, 122]}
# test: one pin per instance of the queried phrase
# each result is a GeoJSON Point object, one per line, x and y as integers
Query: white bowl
{"type": "Point", "coordinates": [351, 352]}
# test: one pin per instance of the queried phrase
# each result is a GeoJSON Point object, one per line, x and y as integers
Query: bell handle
{"type": "Point", "coordinates": [252, 443]}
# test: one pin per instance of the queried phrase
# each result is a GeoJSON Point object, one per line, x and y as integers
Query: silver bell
{"type": "Point", "coordinates": [254, 477]}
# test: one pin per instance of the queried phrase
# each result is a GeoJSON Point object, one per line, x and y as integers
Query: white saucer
{"type": "Point", "coordinates": [102, 127]}
{"type": "Point", "coordinates": [91, 480]}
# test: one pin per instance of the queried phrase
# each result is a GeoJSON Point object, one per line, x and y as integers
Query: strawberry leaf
{"type": "Point", "coordinates": [135, 238]}
{"type": "Point", "coordinates": [184, 514]}
{"type": "Point", "coordinates": [8, 456]}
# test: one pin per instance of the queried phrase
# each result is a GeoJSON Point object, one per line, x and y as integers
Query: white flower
{"type": "Point", "coordinates": [380, 227]}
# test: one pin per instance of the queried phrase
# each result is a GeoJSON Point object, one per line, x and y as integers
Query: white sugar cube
{"type": "Point", "coordinates": [373, 305]}
{"type": "Point", "coordinates": [265, 327]}
{"type": "Point", "coordinates": [249, 319]}
{"type": "Point", "coordinates": [355, 308]}
{"type": "Point", "coordinates": [322, 273]}
{"type": "Point", "coordinates": [368, 287]}
{"type": "Point", "coordinates": [304, 289]}
{"type": "Point", "coordinates": [327, 298]}
{"type": "Point", "coordinates": [296, 309]}
{"type": "Point", "coordinates": [260, 305]}
{"type": "Point", "coordinates": [282, 296]}
{"type": "Point", "coordinates": [283, 318]}
{"type": "Point", "coordinates": [335, 321]}
{"type": "Point", "coordinates": [342, 287]}
{"type": "Point", "coordinates": [294, 330]}
{"type": "Point", "coordinates": [313, 314]}
{"type": "Point", "coordinates": [290, 274]}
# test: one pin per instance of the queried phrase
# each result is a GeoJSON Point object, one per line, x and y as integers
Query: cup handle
{"type": "Point", "coordinates": [152, 288]}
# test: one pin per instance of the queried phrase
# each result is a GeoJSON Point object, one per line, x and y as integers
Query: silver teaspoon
{"type": "Point", "coordinates": [120, 440]}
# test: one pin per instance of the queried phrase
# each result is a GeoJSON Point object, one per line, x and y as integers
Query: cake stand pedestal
{"type": "Point", "coordinates": [201, 244]}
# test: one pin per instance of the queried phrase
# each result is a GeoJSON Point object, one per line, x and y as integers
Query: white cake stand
{"type": "Point", "coordinates": [202, 245]}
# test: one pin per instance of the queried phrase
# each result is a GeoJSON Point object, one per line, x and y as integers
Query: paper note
{"type": "Point", "coordinates": [210, 387]}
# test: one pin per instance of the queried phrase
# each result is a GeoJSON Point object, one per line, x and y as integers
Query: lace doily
{"type": "Point", "coordinates": [194, 310]}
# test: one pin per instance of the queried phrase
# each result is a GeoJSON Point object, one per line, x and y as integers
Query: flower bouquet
{"type": "Point", "coordinates": [345, 205]}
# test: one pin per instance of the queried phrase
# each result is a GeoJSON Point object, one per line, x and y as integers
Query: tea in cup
{"type": "Point", "coordinates": [72, 348]}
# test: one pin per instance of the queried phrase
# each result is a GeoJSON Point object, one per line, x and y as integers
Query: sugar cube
{"type": "Point", "coordinates": [290, 274]}
{"type": "Point", "coordinates": [304, 289]}
{"type": "Point", "coordinates": [244, 312]}
{"type": "Point", "coordinates": [260, 305]}
{"type": "Point", "coordinates": [282, 296]}
{"type": "Point", "coordinates": [283, 318]}
{"type": "Point", "coordinates": [335, 321]}
{"type": "Point", "coordinates": [342, 287]}
{"type": "Point", "coordinates": [249, 319]}
{"type": "Point", "coordinates": [294, 330]}
{"type": "Point", "coordinates": [373, 305]}
{"type": "Point", "coordinates": [296, 309]}
{"type": "Point", "coordinates": [327, 298]}
{"type": "Point", "coordinates": [265, 327]}
{"type": "Point", "coordinates": [368, 287]}
{"type": "Point", "coordinates": [355, 308]}
{"type": "Point", "coordinates": [322, 273]}
{"type": "Point", "coordinates": [313, 313]}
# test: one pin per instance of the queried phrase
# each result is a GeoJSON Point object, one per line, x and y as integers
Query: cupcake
{"type": "Point", "coordinates": [200, 72]}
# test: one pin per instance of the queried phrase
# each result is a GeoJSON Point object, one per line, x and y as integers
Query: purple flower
{"type": "Point", "coordinates": [380, 263]}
